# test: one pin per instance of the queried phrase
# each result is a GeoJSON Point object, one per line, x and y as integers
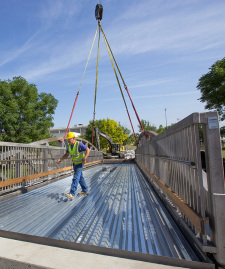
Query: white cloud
{"type": "Point", "coordinates": [145, 26]}
{"type": "Point", "coordinates": [152, 96]}
{"type": "Point", "coordinates": [180, 28]}
{"type": "Point", "coordinates": [150, 83]}
{"type": "Point", "coordinates": [12, 55]}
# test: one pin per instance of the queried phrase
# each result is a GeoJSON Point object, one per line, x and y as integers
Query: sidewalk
{"type": "Point", "coordinates": [23, 255]}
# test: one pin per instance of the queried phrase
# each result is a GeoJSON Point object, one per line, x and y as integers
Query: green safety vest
{"type": "Point", "coordinates": [76, 156]}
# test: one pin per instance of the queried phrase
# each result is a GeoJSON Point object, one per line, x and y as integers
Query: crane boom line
{"type": "Point", "coordinates": [80, 85]}
{"type": "Point", "coordinates": [125, 86]}
{"type": "Point", "coordinates": [96, 83]}
{"type": "Point", "coordinates": [110, 55]}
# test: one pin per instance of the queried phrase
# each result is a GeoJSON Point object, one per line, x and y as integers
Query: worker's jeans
{"type": "Point", "coordinates": [78, 178]}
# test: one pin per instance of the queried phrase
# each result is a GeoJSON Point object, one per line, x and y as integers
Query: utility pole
{"type": "Point", "coordinates": [166, 118]}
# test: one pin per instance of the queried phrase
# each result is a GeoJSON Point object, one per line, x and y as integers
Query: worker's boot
{"type": "Point", "coordinates": [83, 193]}
{"type": "Point", "coordinates": [69, 195]}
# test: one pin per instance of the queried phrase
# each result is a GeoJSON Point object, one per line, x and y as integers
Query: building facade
{"type": "Point", "coordinates": [78, 129]}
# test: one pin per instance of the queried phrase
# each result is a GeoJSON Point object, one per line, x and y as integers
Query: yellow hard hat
{"type": "Point", "coordinates": [70, 135]}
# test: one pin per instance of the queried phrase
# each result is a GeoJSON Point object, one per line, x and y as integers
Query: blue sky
{"type": "Point", "coordinates": [162, 49]}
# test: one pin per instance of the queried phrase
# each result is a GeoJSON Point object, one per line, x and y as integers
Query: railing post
{"type": "Point", "coordinates": [18, 164]}
{"type": "Point", "coordinates": [219, 226]}
{"type": "Point", "coordinates": [46, 162]}
{"type": "Point", "coordinates": [215, 178]}
{"type": "Point", "coordinates": [45, 153]}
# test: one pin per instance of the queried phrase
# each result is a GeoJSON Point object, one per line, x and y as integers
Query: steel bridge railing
{"type": "Point", "coordinates": [190, 176]}
{"type": "Point", "coordinates": [23, 165]}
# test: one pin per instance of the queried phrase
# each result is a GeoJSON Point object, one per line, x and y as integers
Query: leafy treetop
{"type": "Point", "coordinates": [109, 127]}
{"type": "Point", "coordinates": [25, 115]}
{"type": "Point", "coordinates": [212, 87]}
{"type": "Point", "coordinates": [148, 127]}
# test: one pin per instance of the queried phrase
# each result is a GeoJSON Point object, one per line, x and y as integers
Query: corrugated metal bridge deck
{"type": "Point", "coordinates": [121, 211]}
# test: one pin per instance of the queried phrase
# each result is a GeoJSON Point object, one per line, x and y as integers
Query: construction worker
{"type": "Point", "coordinates": [79, 153]}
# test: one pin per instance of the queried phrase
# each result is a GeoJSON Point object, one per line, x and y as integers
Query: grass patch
{"type": "Point", "coordinates": [129, 147]}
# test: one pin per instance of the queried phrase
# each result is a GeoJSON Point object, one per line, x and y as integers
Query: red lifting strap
{"type": "Point", "coordinates": [70, 118]}
{"type": "Point", "coordinates": [147, 136]}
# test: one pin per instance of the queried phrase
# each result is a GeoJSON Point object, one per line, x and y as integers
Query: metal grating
{"type": "Point", "coordinates": [121, 211]}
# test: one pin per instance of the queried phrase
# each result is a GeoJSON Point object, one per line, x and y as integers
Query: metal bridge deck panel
{"type": "Point", "coordinates": [121, 211]}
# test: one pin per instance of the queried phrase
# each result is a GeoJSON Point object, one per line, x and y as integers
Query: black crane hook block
{"type": "Point", "coordinates": [98, 12]}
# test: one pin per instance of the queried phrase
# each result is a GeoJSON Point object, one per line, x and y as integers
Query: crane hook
{"type": "Point", "coordinates": [98, 12]}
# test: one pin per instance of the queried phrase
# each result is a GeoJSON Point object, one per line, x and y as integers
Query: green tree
{"type": "Point", "coordinates": [131, 140]}
{"type": "Point", "coordinates": [25, 115]}
{"type": "Point", "coordinates": [212, 87]}
{"type": "Point", "coordinates": [161, 129]}
{"type": "Point", "coordinates": [130, 136]}
{"type": "Point", "coordinates": [147, 126]}
{"type": "Point", "coordinates": [109, 127]}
